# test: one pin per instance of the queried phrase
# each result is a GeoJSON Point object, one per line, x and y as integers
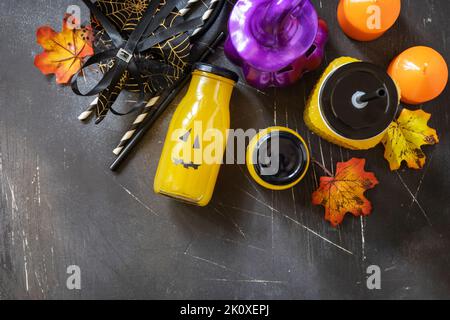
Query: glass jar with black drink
{"type": "Point", "coordinates": [353, 104]}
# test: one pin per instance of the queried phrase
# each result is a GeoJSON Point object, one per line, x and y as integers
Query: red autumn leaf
{"type": "Point", "coordinates": [345, 191]}
{"type": "Point", "coordinates": [64, 52]}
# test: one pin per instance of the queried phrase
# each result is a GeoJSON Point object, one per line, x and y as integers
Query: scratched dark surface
{"type": "Point", "coordinates": [61, 206]}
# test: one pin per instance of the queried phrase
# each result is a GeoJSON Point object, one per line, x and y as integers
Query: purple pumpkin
{"type": "Point", "coordinates": [275, 41]}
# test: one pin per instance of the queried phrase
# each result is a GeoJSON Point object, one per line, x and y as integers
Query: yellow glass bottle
{"type": "Point", "coordinates": [353, 104]}
{"type": "Point", "coordinates": [197, 137]}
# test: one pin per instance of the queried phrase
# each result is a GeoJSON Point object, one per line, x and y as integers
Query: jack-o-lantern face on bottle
{"type": "Point", "coordinates": [189, 158]}
{"type": "Point", "coordinates": [191, 161]}
{"type": "Point", "coordinates": [193, 147]}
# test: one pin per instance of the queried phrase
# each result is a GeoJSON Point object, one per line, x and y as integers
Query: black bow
{"type": "Point", "coordinates": [140, 40]}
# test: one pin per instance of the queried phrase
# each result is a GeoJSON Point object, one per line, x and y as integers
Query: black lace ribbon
{"type": "Point", "coordinates": [140, 40]}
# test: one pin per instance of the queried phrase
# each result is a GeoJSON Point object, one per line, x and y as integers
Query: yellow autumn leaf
{"type": "Point", "coordinates": [406, 136]}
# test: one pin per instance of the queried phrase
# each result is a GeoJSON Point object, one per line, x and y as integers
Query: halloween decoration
{"type": "Point", "coordinates": [209, 17]}
{"type": "Point", "coordinates": [64, 52]}
{"type": "Point", "coordinates": [367, 20]}
{"type": "Point", "coordinates": [353, 104]}
{"type": "Point", "coordinates": [276, 41]}
{"type": "Point", "coordinates": [345, 191]}
{"type": "Point", "coordinates": [406, 136]}
{"type": "Point", "coordinates": [421, 73]}
{"type": "Point", "coordinates": [277, 158]}
{"type": "Point", "coordinates": [196, 140]}
{"type": "Point", "coordinates": [154, 47]}
{"type": "Point", "coordinates": [163, 102]}
{"type": "Point", "coordinates": [142, 46]}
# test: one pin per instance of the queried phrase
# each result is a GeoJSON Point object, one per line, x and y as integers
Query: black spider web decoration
{"type": "Point", "coordinates": [175, 51]}
{"type": "Point", "coordinates": [160, 66]}
{"type": "Point", "coordinates": [124, 14]}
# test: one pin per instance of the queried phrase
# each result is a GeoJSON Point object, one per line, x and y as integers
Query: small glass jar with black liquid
{"type": "Point", "coordinates": [278, 158]}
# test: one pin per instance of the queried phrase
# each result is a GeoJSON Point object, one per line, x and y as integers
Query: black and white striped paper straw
{"type": "Point", "coordinates": [206, 15]}
{"type": "Point", "coordinates": [140, 118]}
{"type": "Point", "coordinates": [188, 7]}
{"type": "Point", "coordinates": [89, 111]}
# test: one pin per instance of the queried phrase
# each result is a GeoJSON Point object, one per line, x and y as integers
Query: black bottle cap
{"type": "Point", "coordinates": [293, 158]}
{"type": "Point", "coordinates": [216, 70]}
{"type": "Point", "coordinates": [342, 108]}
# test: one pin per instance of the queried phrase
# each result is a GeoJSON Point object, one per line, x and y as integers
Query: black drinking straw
{"type": "Point", "coordinates": [380, 93]}
{"type": "Point", "coordinates": [165, 100]}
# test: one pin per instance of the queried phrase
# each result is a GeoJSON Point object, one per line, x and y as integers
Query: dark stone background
{"type": "Point", "coordinates": [60, 205]}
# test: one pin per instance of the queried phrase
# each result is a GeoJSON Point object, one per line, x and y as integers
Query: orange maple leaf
{"type": "Point", "coordinates": [64, 52]}
{"type": "Point", "coordinates": [345, 191]}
